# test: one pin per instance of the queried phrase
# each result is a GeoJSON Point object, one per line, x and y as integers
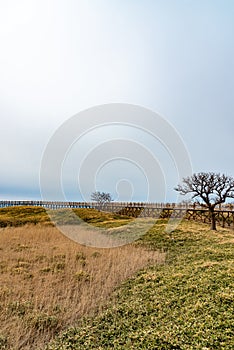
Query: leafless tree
{"type": "Point", "coordinates": [101, 197]}
{"type": "Point", "coordinates": [209, 190]}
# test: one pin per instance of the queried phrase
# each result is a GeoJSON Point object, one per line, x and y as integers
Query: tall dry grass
{"type": "Point", "coordinates": [48, 282]}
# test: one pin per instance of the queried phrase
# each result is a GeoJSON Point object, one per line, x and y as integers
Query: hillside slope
{"type": "Point", "coordinates": [186, 303]}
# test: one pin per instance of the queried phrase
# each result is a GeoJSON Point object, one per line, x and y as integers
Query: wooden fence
{"type": "Point", "coordinates": [224, 213]}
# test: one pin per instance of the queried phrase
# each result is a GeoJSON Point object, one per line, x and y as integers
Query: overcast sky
{"type": "Point", "coordinates": [59, 57]}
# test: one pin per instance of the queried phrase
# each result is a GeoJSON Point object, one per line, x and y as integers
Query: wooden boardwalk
{"type": "Point", "coordinates": [224, 214]}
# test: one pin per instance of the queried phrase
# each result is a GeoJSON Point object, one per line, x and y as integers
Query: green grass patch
{"type": "Point", "coordinates": [186, 303]}
{"type": "Point", "coordinates": [22, 215]}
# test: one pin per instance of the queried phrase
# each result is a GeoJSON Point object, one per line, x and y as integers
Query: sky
{"type": "Point", "coordinates": [59, 58]}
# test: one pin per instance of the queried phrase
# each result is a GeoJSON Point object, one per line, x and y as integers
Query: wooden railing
{"type": "Point", "coordinates": [224, 213]}
{"type": "Point", "coordinates": [110, 205]}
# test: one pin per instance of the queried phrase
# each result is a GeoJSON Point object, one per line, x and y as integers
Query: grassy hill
{"type": "Point", "coordinates": [165, 291]}
{"type": "Point", "coordinates": [22, 215]}
{"type": "Point", "coordinates": [185, 303]}
{"type": "Point", "coordinates": [48, 282]}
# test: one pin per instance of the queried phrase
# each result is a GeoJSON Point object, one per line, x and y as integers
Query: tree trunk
{"type": "Point", "coordinates": [213, 220]}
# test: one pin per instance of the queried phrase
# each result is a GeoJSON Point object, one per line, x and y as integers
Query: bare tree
{"type": "Point", "coordinates": [209, 189]}
{"type": "Point", "coordinates": [101, 197]}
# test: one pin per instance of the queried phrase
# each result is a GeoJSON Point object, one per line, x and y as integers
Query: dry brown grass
{"type": "Point", "coordinates": [48, 282]}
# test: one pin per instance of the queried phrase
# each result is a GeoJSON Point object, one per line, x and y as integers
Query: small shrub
{"type": "Point", "coordinates": [21, 247]}
{"type": "Point", "coordinates": [80, 257]}
{"type": "Point", "coordinates": [3, 342]}
{"type": "Point", "coordinates": [96, 254]}
{"type": "Point", "coordinates": [58, 257]}
{"type": "Point", "coordinates": [82, 276]}
{"type": "Point", "coordinates": [19, 308]}
{"type": "Point", "coordinates": [60, 266]}
{"type": "Point", "coordinates": [43, 322]}
{"type": "Point", "coordinates": [46, 269]}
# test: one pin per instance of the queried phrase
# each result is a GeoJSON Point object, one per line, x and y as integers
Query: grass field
{"type": "Point", "coordinates": [48, 282]}
{"type": "Point", "coordinates": [165, 291]}
{"type": "Point", "coordinates": [185, 303]}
